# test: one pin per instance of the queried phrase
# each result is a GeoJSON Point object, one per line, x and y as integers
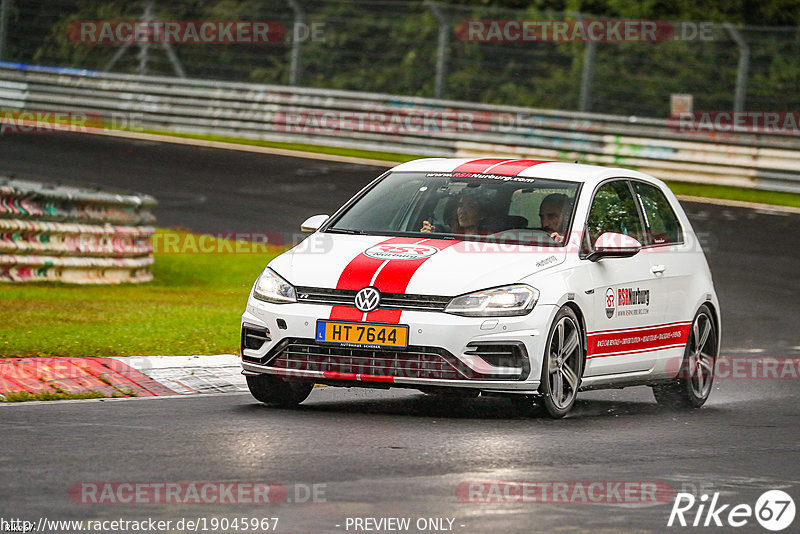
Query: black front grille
{"type": "Point", "coordinates": [296, 354]}
{"type": "Point", "coordinates": [398, 301]}
{"type": "Point", "coordinates": [416, 362]}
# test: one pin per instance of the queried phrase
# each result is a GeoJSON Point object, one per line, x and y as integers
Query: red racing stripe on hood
{"type": "Point", "coordinates": [395, 277]}
{"type": "Point", "coordinates": [358, 274]}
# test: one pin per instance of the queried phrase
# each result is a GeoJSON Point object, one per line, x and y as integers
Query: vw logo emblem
{"type": "Point", "coordinates": [368, 299]}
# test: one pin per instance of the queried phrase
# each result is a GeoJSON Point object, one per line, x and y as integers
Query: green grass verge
{"type": "Point", "coordinates": [23, 396]}
{"type": "Point", "coordinates": [680, 188]}
{"type": "Point", "coordinates": [778, 198]}
{"type": "Point", "coordinates": [301, 147]}
{"type": "Point", "coordinates": [192, 307]}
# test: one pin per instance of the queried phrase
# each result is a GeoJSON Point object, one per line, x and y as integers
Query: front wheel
{"type": "Point", "coordinates": [692, 386]}
{"type": "Point", "coordinates": [562, 365]}
{"type": "Point", "coordinates": [274, 391]}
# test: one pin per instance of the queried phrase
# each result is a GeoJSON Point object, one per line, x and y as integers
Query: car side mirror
{"type": "Point", "coordinates": [313, 223]}
{"type": "Point", "coordinates": [613, 245]}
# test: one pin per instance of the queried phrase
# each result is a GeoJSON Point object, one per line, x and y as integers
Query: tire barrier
{"type": "Point", "coordinates": [408, 125]}
{"type": "Point", "coordinates": [73, 235]}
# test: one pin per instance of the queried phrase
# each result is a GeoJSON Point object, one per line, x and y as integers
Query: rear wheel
{"type": "Point", "coordinates": [692, 386]}
{"type": "Point", "coordinates": [274, 391]}
{"type": "Point", "coordinates": [562, 365]}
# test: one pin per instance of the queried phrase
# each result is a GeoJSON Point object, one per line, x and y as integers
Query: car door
{"type": "Point", "coordinates": [627, 295]}
{"type": "Point", "coordinates": [672, 262]}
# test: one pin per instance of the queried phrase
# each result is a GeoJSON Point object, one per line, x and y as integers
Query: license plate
{"type": "Point", "coordinates": [362, 334]}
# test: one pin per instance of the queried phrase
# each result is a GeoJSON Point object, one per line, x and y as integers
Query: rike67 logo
{"type": "Point", "coordinates": [400, 252]}
{"type": "Point", "coordinates": [774, 510]}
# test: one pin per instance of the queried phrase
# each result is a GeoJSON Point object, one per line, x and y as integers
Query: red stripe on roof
{"type": "Point", "coordinates": [514, 167]}
{"type": "Point", "coordinates": [479, 165]}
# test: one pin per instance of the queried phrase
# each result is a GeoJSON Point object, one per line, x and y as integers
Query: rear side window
{"type": "Point", "coordinates": [662, 223]}
{"type": "Point", "coordinates": [614, 210]}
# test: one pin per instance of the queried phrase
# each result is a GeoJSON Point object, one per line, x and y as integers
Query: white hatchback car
{"type": "Point", "coordinates": [490, 276]}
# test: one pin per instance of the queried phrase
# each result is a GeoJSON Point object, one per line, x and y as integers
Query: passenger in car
{"type": "Point", "coordinates": [465, 214]}
{"type": "Point", "coordinates": [472, 210]}
{"type": "Point", "coordinates": [450, 218]}
{"type": "Point", "coordinates": [554, 215]}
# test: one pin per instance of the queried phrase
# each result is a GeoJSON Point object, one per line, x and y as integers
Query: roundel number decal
{"type": "Point", "coordinates": [400, 252]}
{"type": "Point", "coordinates": [610, 303]}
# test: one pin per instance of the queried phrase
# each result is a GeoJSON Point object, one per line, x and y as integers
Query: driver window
{"type": "Point", "coordinates": [614, 210]}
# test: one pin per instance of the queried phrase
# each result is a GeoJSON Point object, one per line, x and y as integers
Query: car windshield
{"type": "Point", "coordinates": [471, 206]}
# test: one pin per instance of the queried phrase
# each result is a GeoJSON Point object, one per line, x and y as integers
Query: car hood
{"type": "Point", "coordinates": [410, 265]}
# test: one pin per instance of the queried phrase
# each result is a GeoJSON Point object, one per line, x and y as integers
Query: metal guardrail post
{"type": "Point", "coordinates": [4, 5]}
{"type": "Point", "coordinates": [742, 68]}
{"type": "Point", "coordinates": [441, 48]}
{"type": "Point", "coordinates": [587, 71]}
{"type": "Point", "coordinates": [144, 47]}
{"type": "Point", "coordinates": [297, 44]}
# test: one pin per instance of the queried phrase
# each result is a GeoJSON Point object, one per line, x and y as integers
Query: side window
{"type": "Point", "coordinates": [614, 210]}
{"type": "Point", "coordinates": [662, 224]}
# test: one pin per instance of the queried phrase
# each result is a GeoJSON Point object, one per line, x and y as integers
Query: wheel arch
{"type": "Point", "coordinates": [714, 317]}
{"type": "Point", "coordinates": [582, 320]}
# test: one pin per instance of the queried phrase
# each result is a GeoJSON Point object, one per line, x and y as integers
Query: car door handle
{"type": "Point", "coordinates": [658, 269]}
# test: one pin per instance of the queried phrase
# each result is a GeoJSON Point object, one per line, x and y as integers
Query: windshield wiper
{"type": "Point", "coordinates": [346, 231]}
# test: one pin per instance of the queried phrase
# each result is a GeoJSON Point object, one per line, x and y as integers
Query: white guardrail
{"type": "Point", "coordinates": [408, 125]}
{"type": "Point", "coordinates": [67, 234]}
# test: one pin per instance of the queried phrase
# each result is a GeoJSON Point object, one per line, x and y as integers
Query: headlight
{"type": "Point", "coordinates": [272, 288]}
{"type": "Point", "coordinates": [505, 301]}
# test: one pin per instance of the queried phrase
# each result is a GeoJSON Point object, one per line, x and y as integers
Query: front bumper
{"type": "Point", "coordinates": [444, 350]}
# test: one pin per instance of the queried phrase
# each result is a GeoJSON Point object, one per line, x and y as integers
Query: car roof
{"type": "Point", "coordinates": [574, 172]}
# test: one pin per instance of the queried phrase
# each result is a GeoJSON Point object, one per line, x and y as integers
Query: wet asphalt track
{"type": "Point", "coordinates": [396, 453]}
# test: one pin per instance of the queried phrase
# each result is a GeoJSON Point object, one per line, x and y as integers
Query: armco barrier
{"type": "Point", "coordinates": [404, 124]}
{"type": "Point", "coordinates": [68, 234]}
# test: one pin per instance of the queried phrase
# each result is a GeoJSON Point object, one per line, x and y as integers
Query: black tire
{"type": "Point", "coordinates": [695, 379]}
{"type": "Point", "coordinates": [562, 364]}
{"type": "Point", "coordinates": [275, 391]}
